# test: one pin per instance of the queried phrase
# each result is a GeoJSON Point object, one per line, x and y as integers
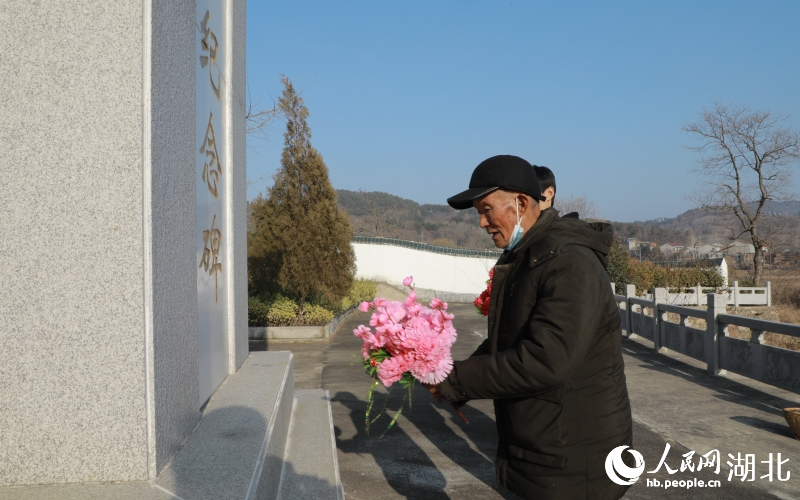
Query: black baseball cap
{"type": "Point", "coordinates": [502, 171]}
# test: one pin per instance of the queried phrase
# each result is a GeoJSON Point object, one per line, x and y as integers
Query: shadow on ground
{"type": "Point", "coordinates": [407, 467]}
{"type": "Point", "coordinates": [727, 390]}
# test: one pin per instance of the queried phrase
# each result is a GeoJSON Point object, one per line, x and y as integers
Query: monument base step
{"type": "Point", "coordinates": [310, 469]}
{"type": "Point", "coordinates": [237, 450]}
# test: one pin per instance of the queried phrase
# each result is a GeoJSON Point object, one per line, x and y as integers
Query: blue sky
{"type": "Point", "coordinates": [407, 97]}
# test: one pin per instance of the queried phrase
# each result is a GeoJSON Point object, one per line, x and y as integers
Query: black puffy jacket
{"type": "Point", "coordinates": [552, 364]}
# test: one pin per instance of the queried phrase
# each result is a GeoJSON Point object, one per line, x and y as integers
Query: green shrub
{"type": "Point", "coordinates": [282, 311]}
{"type": "Point", "coordinates": [362, 290]}
{"type": "Point", "coordinates": [618, 261]}
{"type": "Point", "coordinates": [316, 315]}
{"type": "Point", "coordinates": [257, 312]}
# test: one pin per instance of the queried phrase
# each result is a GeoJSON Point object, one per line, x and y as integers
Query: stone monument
{"type": "Point", "coordinates": [123, 243]}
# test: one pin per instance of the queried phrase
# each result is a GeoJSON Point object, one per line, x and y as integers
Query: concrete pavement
{"type": "Point", "coordinates": [675, 396]}
{"type": "Point", "coordinates": [432, 453]}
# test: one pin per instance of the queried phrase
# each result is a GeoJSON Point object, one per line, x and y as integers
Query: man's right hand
{"type": "Point", "coordinates": [435, 393]}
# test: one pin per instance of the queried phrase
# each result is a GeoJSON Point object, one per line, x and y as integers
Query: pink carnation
{"type": "Point", "coordinates": [392, 369]}
{"type": "Point", "coordinates": [417, 339]}
{"type": "Point", "coordinates": [408, 281]}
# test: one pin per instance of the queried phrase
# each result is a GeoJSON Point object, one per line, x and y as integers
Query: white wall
{"type": "Point", "coordinates": [432, 271]}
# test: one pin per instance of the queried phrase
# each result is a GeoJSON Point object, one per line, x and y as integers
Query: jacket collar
{"type": "Point", "coordinates": [531, 236]}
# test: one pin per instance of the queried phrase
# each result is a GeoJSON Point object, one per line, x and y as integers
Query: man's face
{"type": "Point", "coordinates": [498, 215]}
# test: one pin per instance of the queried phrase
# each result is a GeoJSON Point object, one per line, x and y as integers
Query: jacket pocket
{"type": "Point", "coordinates": [535, 457]}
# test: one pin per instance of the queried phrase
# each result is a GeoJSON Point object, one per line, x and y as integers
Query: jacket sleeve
{"type": "Point", "coordinates": [482, 349]}
{"type": "Point", "coordinates": [562, 324]}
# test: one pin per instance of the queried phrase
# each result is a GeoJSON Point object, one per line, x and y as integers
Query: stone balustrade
{"type": "Point", "coordinates": [713, 344]}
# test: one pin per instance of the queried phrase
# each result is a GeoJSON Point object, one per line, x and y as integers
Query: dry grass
{"type": "Point", "coordinates": [785, 291]}
{"type": "Point", "coordinates": [785, 284]}
{"type": "Point", "coordinates": [788, 314]}
{"type": "Point", "coordinates": [783, 341]}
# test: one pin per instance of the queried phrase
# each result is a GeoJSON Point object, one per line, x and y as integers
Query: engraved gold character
{"type": "Point", "coordinates": [212, 167]}
{"type": "Point", "coordinates": [209, 44]}
{"type": "Point", "coordinates": [212, 238]}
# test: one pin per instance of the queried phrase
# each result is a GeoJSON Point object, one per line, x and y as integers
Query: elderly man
{"type": "Point", "coordinates": [552, 361]}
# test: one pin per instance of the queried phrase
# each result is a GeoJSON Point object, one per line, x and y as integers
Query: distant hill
{"type": "Point", "coordinates": [780, 219]}
{"type": "Point", "coordinates": [791, 208]}
{"type": "Point", "coordinates": [383, 214]}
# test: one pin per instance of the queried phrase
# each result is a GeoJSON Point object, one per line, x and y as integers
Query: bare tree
{"type": "Point", "coordinates": [581, 204]}
{"type": "Point", "coordinates": [747, 157]}
{"type": "Point", "coordinates": [260, 118]}
{"type": "Point", "coordinates": [260, 121]}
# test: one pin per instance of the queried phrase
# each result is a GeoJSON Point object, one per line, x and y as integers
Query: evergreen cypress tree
{"type": "Point", "coordinates": [304, 236]}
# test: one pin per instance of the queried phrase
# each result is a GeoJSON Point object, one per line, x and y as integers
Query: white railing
{"type": "Point", "coordinates": [734, 296]}
{"type": "Point", "coordinates": [713, 344]}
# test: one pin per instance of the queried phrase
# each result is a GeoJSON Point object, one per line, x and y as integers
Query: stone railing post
{"type": "Point", "coordinates": [613, 288]}
{"type": "Point", "coordinates": [630, 291]}
{"type": "Point", "coordinates": [697, 295]}
{"type": "Point", "coordinates": [659, 297]}
{"type": "Point", "coordinates": [716, 306]}
{"type": "Point", "coordinates": [735, 294]}
{"type": "Point", "coordinates": [769, 294]}
{"type": "Point", "coordinates": [760, 359]}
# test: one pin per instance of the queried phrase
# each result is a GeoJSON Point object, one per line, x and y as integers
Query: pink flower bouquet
{"type": "Point", "coordinates": [410, 342]}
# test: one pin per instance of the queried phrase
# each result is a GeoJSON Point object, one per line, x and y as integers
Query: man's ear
{"type": "Point", "coordinates": [549, 193]}
{"type": "Point", "coordinates": [525, 202]}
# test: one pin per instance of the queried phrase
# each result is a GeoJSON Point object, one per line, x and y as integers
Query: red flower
{"type": "Point", "coordinates": [482, 302]}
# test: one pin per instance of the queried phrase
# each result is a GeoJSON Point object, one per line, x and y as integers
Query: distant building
{"type": "Point", "coordinates": [787, 258]}
{"type": "Point", "coordinates": [740, 248]}
{"type": "Point", "coordinates": [636, 247]}
{"type": "Point", "coordinates": [710, 251]}
{"type": "Point", "coordinates": [671, 248]}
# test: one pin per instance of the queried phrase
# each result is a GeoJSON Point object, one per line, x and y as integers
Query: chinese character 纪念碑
{"type": "Point", "coordinates": [211, 59]}
{"type": "Point", "coordinates": [210, 259]}
{"type": "Point", "coordinates": [212, 167]}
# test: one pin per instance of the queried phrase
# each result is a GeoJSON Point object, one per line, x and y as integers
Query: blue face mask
{"type": "Point", "coordinates": [516, 234]}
